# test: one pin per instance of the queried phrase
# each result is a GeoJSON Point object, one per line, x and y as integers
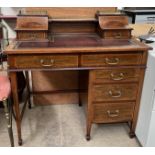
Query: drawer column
{"type": "Point", "coordinates": [113, 96]}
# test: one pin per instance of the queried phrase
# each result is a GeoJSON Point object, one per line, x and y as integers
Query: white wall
{"type": "Point", "coordinates": [10, 24]}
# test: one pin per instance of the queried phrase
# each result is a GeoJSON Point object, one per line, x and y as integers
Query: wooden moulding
{"type": "Point", "coordinates": [71, 12]}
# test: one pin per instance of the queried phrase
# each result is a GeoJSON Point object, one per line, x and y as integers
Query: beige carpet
{"type": "Point", "coordinates": [64, 125]}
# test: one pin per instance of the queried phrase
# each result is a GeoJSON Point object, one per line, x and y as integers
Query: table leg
{"type": "Point", "coordinates": [79, 87]}
{"type": "Point", "coordinates": [13, 78]}
{"type": "Point", "coordinates": [28, 88]}
{"type": "Point", "coordinates": [89, 108]}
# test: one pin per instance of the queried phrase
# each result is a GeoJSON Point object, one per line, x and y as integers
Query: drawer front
{"type": "Point", "coordinates": [113, 112]}
{"type": "Point", "coordinates": [44, 61]}
{"type": "Point", "coordinates": [117, 34]}
{"type": "Point", "coordinates": [31, 35]}
{"type": "Point", "coordinates": [110, 59]}
{"type": "Point", "coordinates": [114, 92]}
{"type": "Point", "coordinates": [115, 75]}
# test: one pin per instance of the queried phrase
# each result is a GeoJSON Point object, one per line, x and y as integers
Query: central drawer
{"type": "Point", "coordinates": [113, 112]}
{"type": "Point", "coordinates": [114, 92]}
{"type": "Point", "coordinates": [110, 59]}
{"type": "Point", "coordinates": [44, 61]}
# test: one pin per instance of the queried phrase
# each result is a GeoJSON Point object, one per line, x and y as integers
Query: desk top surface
{"type": "Point", "coordinates": [73, 43]}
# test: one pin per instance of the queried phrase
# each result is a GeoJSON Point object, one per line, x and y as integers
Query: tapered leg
{"type": "Point", "coordinates": [88, 131]}
{"type": "Point", "coordinates": [131, 133]}
{"type": "Point", "coordinates": [28, 88]}
{"type": "Point", "coordinates": [8, 115]}
{"type": "Point", "coordinates": [79, 85]}
{"type": "Point", "coordinates": [13, 78]}
{"type": "Point", "coordinates": [80, 102]}
{"type": "Point", "coordinates": [89, 108]}
{"type": "Point", "coordinates": [11, 114]}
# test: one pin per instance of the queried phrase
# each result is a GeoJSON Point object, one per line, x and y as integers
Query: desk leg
{"type": "Point", "coordinates": [89, 108]}
{"type": "Point", "coordinates": [28, 88]}
{"type": "Point", "coordinates": [79, 87]}
{"type": "Point", "coordinates": [13, 77]}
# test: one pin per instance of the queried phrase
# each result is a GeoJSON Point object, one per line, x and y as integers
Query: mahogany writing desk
{"type": "Point", "coordinates": [101, 47]}
{"type": "Point", "coordinates": [116, 71]}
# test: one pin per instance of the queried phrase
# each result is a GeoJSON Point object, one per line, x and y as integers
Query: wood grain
{"type": "Point", "coordinates": [120, 112]}
{"type": "Point", "coordinates": [32, 23]}
{"type": "Point", "coordinates": [119, 92]}
{"type": "Point", "coordinates": [110, 59]}
{"type": "Point", "coordinates": [116, 75]}
{"type": "Point", "coordinates": [76, 45]}
{"type": "Point", "coordinates": [72, 12]}
{"type": "Point", "coordinates": [44, 61]}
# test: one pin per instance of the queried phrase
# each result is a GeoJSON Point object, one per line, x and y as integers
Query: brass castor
{"type": "Point", "coordinates": [80, 104]}
{"type": "Point", "coordinates": [88, 137]}
{"type": "Point", "coordinates": [132, 135]}
{"type": "Point", "coordinates": [29, 106]}
{"type": "Point", "coordinates": [20, 142]}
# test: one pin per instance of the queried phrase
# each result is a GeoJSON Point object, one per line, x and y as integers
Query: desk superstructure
{"type": "Point", "coordinates": [114, 62]}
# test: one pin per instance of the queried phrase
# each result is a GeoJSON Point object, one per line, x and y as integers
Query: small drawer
{"type": "Point", "coordinates": [31, 35]}
{"type": "Point", "coordinates": [115, 75]}
{"type": "Point", "coordinates": [110, 59]}
{"type": "Point", "coordinates": [113, 112]}
{"type": "Point", "coordinates": [116, 34]}
{"type": "Point", "coordinates": [114, 92]}
{"type": "Point", "coordinates": [44, 61]}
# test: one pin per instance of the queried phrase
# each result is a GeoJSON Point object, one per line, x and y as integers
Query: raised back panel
{"type": "Point", "coordinates": [71, 20]}
{"type": "Point", "coordinates": [72, 12]}
{"type": "Point", "coordinates": [72, 27]}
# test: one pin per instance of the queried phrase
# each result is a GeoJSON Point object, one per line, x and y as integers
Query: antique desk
{"type": "Point", "coordinates": [115, 64]}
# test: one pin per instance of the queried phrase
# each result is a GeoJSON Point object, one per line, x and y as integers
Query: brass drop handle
{"type": "Point", "coordinates": [115, 94]}
{"type": "Point", "coordinates": [113, 61]}
{"type": "Point", "coordinates": [44, 64]}
{"type": "Point", "coordinates": [117, 78]}
{"type": "Point", "coordinates": [117, 35]}
{"type": "Point", "coordinates": [113, 114]}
